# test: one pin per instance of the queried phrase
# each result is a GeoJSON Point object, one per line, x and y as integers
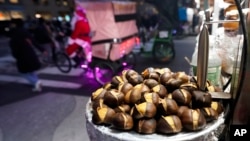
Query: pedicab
{"type": "Point", "coordinates": [114, 25]}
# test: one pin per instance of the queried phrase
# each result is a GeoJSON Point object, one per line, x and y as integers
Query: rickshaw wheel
{"type": "Point", "coordinates": [63, 62]}
{"type": "Point", "coordinates": [129, 61]}
{"type": "Point", "coordinates": [103, 72]}
{"type": "Point", "coordinates": [163, 52]}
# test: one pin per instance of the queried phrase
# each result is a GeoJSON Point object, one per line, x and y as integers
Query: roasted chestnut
{"type": "Point", "coordinates": [210, 87]}
{"type": "Point", "coordinates": [145, 73]}
{"type": "Point", "coordinates": [144, 88]}
{"type": "Point", "coordinates": [182, 76]}
{"type": "Point", "coordinates": [189, 86]}
{"type": "Point", "coordinates": [182, 97]}
{"type": "Point", "coordinates": [123, 121]}
{"type": "Point", "coordinates": [149, 73]}
{"type": "Point", "coordinates": [169, 124]}
{"type": "Point", "coordinates": [135, 79]}
{"type": "Point", "coordinates": [193, 120]}
{"type": "Point", "coordinates": [113, 98]}
{"type": "Point", "coordinates": [173, 84]}
{"type": "Point", "coordinates": [146, 126]}
{"type": "Point", "coordinates": [123, 75]}
{"type": "Point", "coordinates": [150, 97]}
{"type": "Point", "coordinates": [150, 83]}
{"type": "Point", "coordinates": [116, 80]}
{"type": "Point", "coordinates": [167, 106]}
{"type": "Point", "coordinates": [133, 96]}
{"type": "Point", "coordinates": [165, 77]}
{"type": "Point", "coordinates": [181, 110]}
{"type": "Point", "coordinates": [132, 76]}
{"type": "Point", "coordinates": [103, 115]}
{"type": "Point", "coordinates": [108, 86]}
{"type": "Point", "coordinates": [129, 72]}
{"type": "Point", "coordinates": [123, 108]}
{"type": "Point", "coordinates": [217, 106]}
{"type": "Point", "coordinates": [98, 103]}
{"type": "Point", "coordinates": [125, 87]}
{"type": "Point", "coordinates": [144, 110]}
{"type": "Point", "coordinates": [160, 90]}
{"type": "Point", "coordinates": [209, 113]}
{"type": "Point", "coordinates": [201, 99]}
{"type": "Point", "coordinates": [98, 94]}
{"type": "Point", "coordinates": [162, 70]}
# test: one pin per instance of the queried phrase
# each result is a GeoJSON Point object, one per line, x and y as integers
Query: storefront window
{"type": "Point", "coordinates": [4, 16]}
{"type": "Point", "coordinates": [14, 1]}
{"type": "Point", "coordinates": [16, 14]}
{"type": "Point", "coordinates": [44, 14]}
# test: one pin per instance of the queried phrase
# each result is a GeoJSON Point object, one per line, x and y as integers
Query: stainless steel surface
{"type": "Point", "coordinates": [221, 21]}
{"type": "Point", "coordinates": [202, 61]}
{"type": "Point", "coordinates": [220, 95]}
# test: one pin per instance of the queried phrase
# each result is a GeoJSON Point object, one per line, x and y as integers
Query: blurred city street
{"type": "Point", "coordinates": [57, 113]}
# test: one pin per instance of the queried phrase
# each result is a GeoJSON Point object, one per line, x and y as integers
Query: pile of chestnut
{"type": "Point", "coordinates": [156, 100]}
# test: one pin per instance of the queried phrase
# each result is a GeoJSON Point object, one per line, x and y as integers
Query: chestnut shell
{"type": "Point", "coordinates": [113, 98]}
{"type": "Point", "coordinates": [123, 121]}
{"type": "Point", "coordinates": [182, 97]}
{"type": "Point", "coordinates": [169, 124]}
{"type": "Point", "coordinates": [144, 110]}
{"type": "Point", "coordinates": [193, 120]}
{"type": "Point", "coordinates": [103, 115]}
{"type": "Point", "coordinates": [146, 126]}
{"type": "Point", "coordinates": [167, 106]}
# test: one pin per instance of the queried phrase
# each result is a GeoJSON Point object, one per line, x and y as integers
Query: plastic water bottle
{"type": "Point", "coordinates": [214, 63]}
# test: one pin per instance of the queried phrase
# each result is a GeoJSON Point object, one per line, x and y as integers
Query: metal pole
{"type": "Point", "coordinates": [202, 63]}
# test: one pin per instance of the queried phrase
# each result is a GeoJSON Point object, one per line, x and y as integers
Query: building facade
{"type": "Point", "coordinates": [47, 9]}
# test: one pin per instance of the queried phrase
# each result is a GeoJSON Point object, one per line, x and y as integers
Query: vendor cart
{"type": "Point", "coordinates": [233, 48]}
{"type": "Point", "coordinates": [234, 94]}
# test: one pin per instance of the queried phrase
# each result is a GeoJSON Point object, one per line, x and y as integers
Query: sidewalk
{"type": "Point", "coordinates": [44, 117]}
{"type": "Point", "coordinates": [47, 116]}
{"type": "Point", "coordinates": [4, 46]}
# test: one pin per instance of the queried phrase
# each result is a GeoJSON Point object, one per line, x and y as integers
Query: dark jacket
{"type": "Point", "coordinates": [23, 51]}
{"type": "Point", "coordinates": [42, 33]}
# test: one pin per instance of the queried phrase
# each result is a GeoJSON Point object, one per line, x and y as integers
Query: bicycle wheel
{"type": "Point", "coordinates": [129, 61]}
{"type": "Point", "coordinates": [63, 62]}
{"type": "Point", "coordinates": [103, 72]}
{"type": "Point", "coordinates": [163, 52]}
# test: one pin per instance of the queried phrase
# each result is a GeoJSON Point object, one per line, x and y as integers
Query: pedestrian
{"type": "Point", "coordinates": [22, 49]}
{"type": "Point", "coordinates": [195, 21]}
{"type": "Point", "coordinates": [44, 37]}
{"type": "Point", "coordinates": [79, 43]}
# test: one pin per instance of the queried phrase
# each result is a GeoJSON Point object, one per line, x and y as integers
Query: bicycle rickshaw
{"type": "Point", "coordinates": [115, 37]}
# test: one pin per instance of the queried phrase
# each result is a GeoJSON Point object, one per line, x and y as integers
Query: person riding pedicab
{"type": "Point", "coordinates": [79, 43]}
